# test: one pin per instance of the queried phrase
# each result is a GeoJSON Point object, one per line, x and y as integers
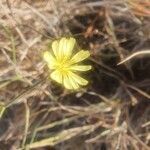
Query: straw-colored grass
{"type": "Point", "coordinates": [111, 112]}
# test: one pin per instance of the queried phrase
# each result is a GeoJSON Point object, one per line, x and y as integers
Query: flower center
{"type": "Point", "coordinates": [63, 66]}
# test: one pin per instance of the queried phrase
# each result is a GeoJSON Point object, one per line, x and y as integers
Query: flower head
{"type": "Point", "coordinates": [64, 64]}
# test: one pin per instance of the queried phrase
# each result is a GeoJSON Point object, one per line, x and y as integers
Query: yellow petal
{"type": "Point", "coordinates": [74, 84]}
{"type": "Point", "coordinates": [80, 67]}
{"type": "Point", "coordinates": [55, 47]}
{"type": "Point", "coordinates": [49, 59]}
{"type": "Point", "coordinates": [70, 83]}
{"type": "Point", "coordinates": [62, 47]}
{"type": "Point", "coordinates": [78, 79]}
{"type": "Point", "coordinates": [69, 46]}
{"type": "Point", "coordinates": [67, 83]}
{"type": "Point", "coordinates": [57, 76]}
{"type": "Point", "coordinates": [81, 55]}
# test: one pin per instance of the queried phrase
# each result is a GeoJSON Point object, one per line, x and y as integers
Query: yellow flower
{"type": "Point", "coordinates": [64, 64]}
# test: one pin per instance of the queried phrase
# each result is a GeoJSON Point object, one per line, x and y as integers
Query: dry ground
{"type": "Point", "coordinates": [112, 112]}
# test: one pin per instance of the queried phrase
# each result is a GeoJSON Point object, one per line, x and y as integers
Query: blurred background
{"type": "Point", "coordinates": [112, 112]}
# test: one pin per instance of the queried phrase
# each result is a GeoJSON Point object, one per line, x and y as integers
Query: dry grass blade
{"type": "Point", "coordinates": [62, 136]}
{"type": "Point", "coordinates": [140, 8]}
{"type": "Point", "coordinates": [27, 121]}
{"type": "Point", "coordinates": [20, 98]}
{"type": "Point", "coordinates": [146, 147]}
{"type": "Point", "coordinates": [54, 124]}
{"type": "Point", "coordinates": [140, 53]}
{"type": "Point", "coordinates": [2, 109]}
{"type": "Point", "coordinates": [139, 91]}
